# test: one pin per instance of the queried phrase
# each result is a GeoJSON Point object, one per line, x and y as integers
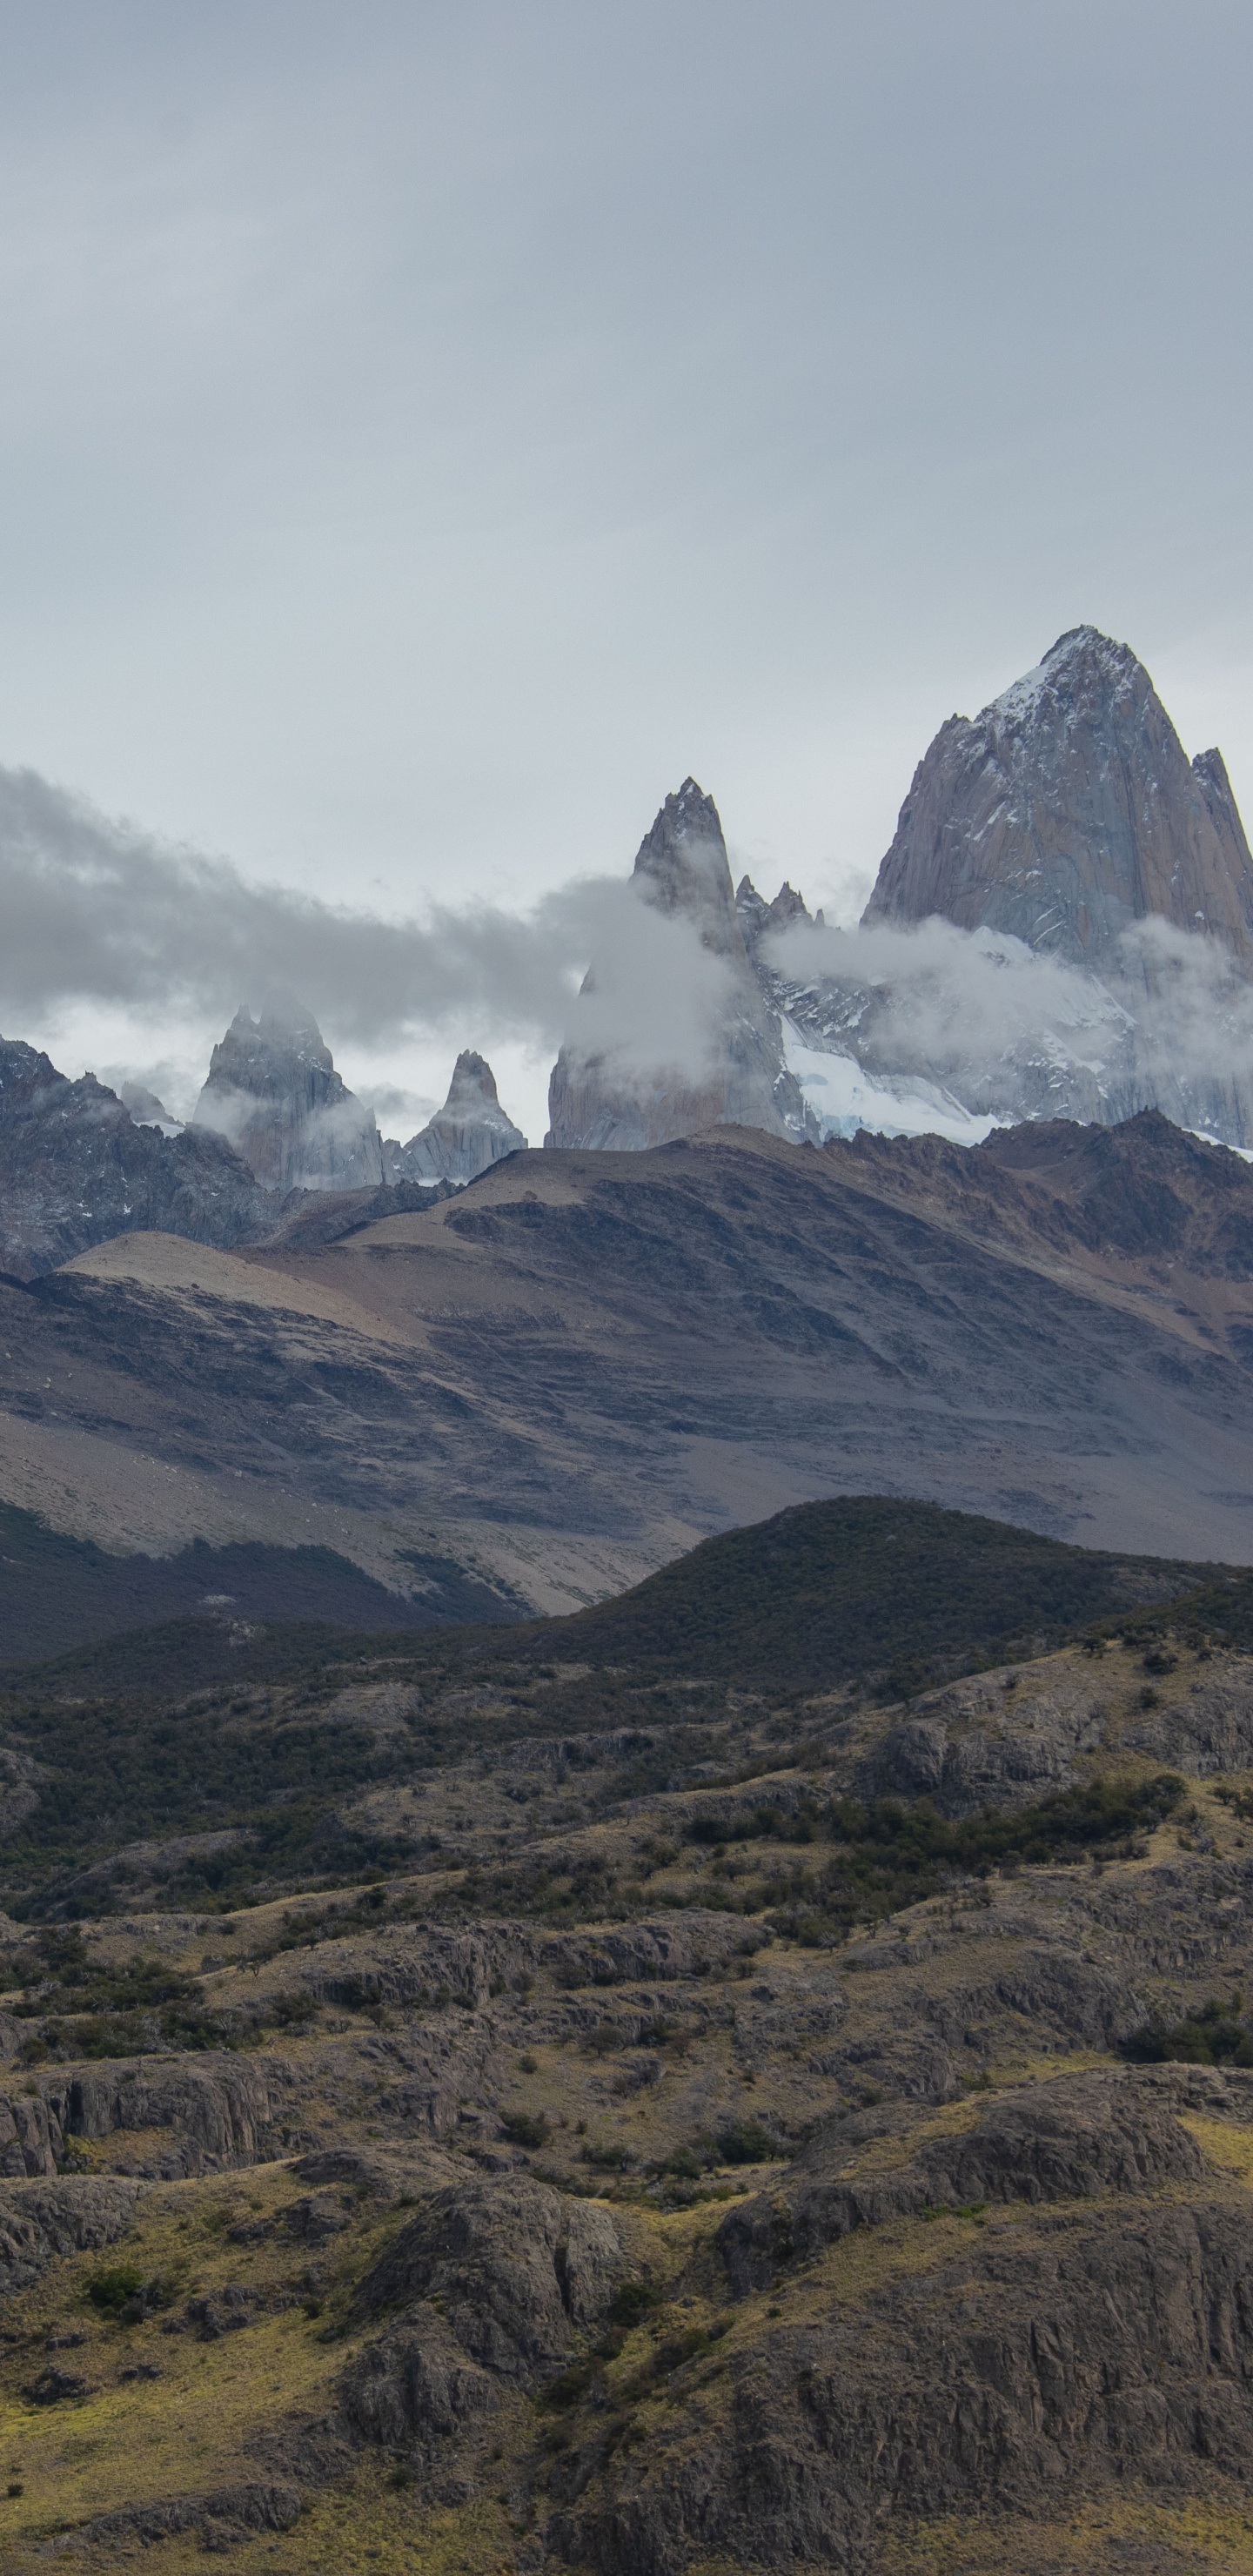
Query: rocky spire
{"type": "Point", "coordinates": [274, 1093]}
{"type": "Point", "coordinates": [468, 1135]}
{"type": "Point", "coordinates": [594, 1100]}
{"type": "Point", "coordinates": [756, 916]}
{"type": "Point", "coordinates": [1067, 811]}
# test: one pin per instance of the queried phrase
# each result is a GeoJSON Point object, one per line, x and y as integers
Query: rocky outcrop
{"type": "Point", "coordinates": [974, 1746]}
{"type": "Point", "coordinates": [226, 2518]}
{"type": "Point", "coordinates": [517, 2268]}
{"type": "Point", "coordinates": [216, 2108]}
{"type": "Point", "coordinates": [75, 1170]}
{"type": "Point", "coordinates": [31, 2137]}
{"type": "Point", "coordinates": [468, 1135]}
{"type": "Point", "coordinates": [1067, 2140]}
{"type": "Point", "coordinates": [1066, 812]}
{"type": "Point", "coordinates": [39, 2220]}
{"type": "Point", "coordinates": [1017, 2377]}
{"type": "Point", "coordinates": [735, 1072]}
{"type": "Point", "coordinates": [146, 1110]}
{"type": "Point", "coordinates": [274, 1094]}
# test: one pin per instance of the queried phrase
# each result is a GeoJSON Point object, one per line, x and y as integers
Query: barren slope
{"type": "Point", "coordinates": [585, 1361]}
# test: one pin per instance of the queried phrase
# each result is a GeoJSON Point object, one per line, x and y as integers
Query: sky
{"type": "Point", "coordinates": [428, 433]}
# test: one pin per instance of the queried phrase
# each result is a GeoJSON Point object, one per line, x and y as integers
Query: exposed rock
{"type": "Point", "coordinates": [756, 917]}
{"type": "Point", "coordinates": [1210, 1731]}
{"type": "Point", "coordinates": [221, 2520]}
{"type": "Point", "coordinates": [1067, 811]}
{"type": "Point", "coordinates": [600, 1100]}
{"type": "Point", "coordinates": [273, 1092]}
{"type": "Point", "coordinates": [1064, 2140]}
{"type": "Point", "coordinates": [1020, 2375]}
{"type": "Point", "coordinates": [75, 1170]}
{"type": "Point", "coordinates": [517, 2269]}
{"type": "Point", "coordinates": [685, 1945]}
{"type": "Point", "coordinates": [147, 1110]}
{"type": "Point", "coordinates": [417, 2384]}
{"type": "Point", "coordinates": [976, 1745]}
{"type": "Point", "coordinates": [468, 1135]}
{"type": "Point", "coordinates": [31, 2140]}
{"type": "Point", "coordinates": [38, 2220]}
{"type": "Point", "coordinates": [1066, 816]}
{"type": "Point", "coordinates": [53, 2384]}
{"type": "Point", "coordinates": [217, 2107]}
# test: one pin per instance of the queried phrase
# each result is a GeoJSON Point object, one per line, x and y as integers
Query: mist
{"type": "Point", "coordinates": [101, 916]}
{"type": "Point", "coordinates": [978, 1011]}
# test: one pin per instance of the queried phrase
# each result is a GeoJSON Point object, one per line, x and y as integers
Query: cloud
{"type": "Point", "coordinates": [982, 1013]}
{"type": "Point", "coordinates": [101, 913]}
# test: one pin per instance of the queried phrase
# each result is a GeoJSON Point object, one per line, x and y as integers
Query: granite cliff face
{"type": "Point", "coordinates": [274, 1093]}
{"type": "Point", "coordinates": [1066, 812]}
{"type": "Point", "coordinates": [76, 1169]}
{"type": "Point", "coordinates": [1079, 904]}
{"type": "Point", "coordinates": [469, 1134]}
{"type": "Point", "coordinates": [603, 1102]}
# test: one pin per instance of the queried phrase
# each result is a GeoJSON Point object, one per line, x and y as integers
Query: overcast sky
{"type": "Point", "coordinates": [430, 431]}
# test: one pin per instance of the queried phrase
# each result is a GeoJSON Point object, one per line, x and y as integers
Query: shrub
{"type": "Point", "coordinates": [632, 2301]}
{"type": "Point", "coordinates": [745, 2142]}
{"type": "Point", "coordinates": [110, 2288]}
{"type": "Point", "coordinates": [525, 2128]}
{"type": "Point", "coordinates": [609, 2156]}
{"type": "Point", "coordinates": [1210, 2037]}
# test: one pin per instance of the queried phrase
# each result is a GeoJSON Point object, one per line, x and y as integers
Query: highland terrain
{"type": "Point", "coordinates": [626, 1770]}
{"type": "Point", "coordinates": [754, 2075]}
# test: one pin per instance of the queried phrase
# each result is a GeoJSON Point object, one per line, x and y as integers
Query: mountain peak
{"type": "Point", "coordinates": [682, 866]}
{"type": "Point", "coordinates": [465, 1137]}
{"type": "Point", "coordinates": [1065, 812]}
{"type": "Point", "coordinates": [274, 1093]}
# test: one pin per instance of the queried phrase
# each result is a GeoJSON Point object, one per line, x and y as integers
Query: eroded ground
{"type": "Point", "coordinates": [693, 2155]}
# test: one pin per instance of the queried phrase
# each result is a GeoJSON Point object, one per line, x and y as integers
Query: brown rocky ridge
{"type": "Point", "coordinates": [566, 1373]}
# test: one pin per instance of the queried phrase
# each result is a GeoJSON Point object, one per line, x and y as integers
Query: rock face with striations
{"type": "Point", "coordinates": [600, 1100]}
{"type": "Point", "coordinates": [1068, 811]}
{"type": "Point", "coordinates": [274, 1093]}
{"type": "Point", "coordinates": [75, 1169]}
{"type": "Point", "coordinates": [469, 1134]}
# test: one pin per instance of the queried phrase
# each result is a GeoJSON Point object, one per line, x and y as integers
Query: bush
{"type": "Point", "coordinates": [745, 2142]}
{"type": "Point", "coordinates": [1210, 2037]}
{"type": "Point", "coordinates": [110, 2288]}
{"type": "Point", "coordinates": [526, 2129]}
{"type": "Point", "coordinates": [632, 2301]}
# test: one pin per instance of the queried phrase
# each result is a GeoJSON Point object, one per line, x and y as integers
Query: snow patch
{"type": "Point", "coordinates": [844, 1099]}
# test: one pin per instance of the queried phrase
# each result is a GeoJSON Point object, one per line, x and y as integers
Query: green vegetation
{"type": "Point", "coordinates": [112, 2287]}
{"type": "Point", "coordinates": [1218, 1612]}
{"type": "Point", "coordinates": [888, 1855]}
{"type": "Point", "coordinates": [1211, 2037]}
{"type": "Point", "coordinates": [829, 1592]}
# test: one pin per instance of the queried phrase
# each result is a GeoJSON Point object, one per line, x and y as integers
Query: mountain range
{"type": "Point", "coordinates": [1063, 926]}
{"type": "Point", "coordinates": [555, 1379]}
{"type": "Point", "coordinates": [544, 1372]}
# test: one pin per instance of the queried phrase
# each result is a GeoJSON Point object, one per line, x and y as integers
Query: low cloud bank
{"type": "Point", "coordinates": [99, 912]}
{"type": "Point", "coordinates": [100, 916]}
{"type": "Point", "coordinates": [973, 1009]}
